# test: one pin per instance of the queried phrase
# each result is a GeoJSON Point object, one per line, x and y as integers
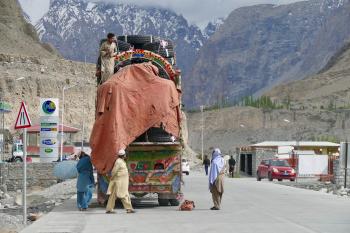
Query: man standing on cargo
{"type": "Point", "coordinates": [119, 185]}
{"type": "Point", "coordinates": [107, 53]}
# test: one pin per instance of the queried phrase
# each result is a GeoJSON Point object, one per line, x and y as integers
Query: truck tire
{"type": "Point", "coordinates": [174, 202]}
{"type": "Point", "coordinates": [158, 135]}
{"type": "Point", "coordinates": [138, 39]}
{"type": "Point", "coordinates": [155, 47]}
{"type": "Point", "coordinates": [163, 202]}
{"type": "Point", "coordinates": [123, 46]}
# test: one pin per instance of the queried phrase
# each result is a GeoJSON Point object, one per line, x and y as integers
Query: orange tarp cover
{"type": "Point", "coordinates": [128, 104]}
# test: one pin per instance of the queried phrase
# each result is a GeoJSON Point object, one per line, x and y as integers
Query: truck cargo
{"type": "Point", "coordinates": [138, 109]}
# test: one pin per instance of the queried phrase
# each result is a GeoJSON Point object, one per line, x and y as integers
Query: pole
{"type": "Point", "coordinates": [202, 133]}
{"type": "Point", "coordinates": [83, 128]}
{"type": "Point", "coordinates": [62, 115]}
{"type": "Point", "coordinates": [24, 193]}
{"type": "Point", "coordinates": [346, 163]}
{"type": "Point", "coordinates": [2, 157]}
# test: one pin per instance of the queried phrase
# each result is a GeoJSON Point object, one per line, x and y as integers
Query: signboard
{"type": "Point", "coordinates": [345, 154]}
{"type": "Point", "coordinates": [23, 120]}
{"type": "Point", "coordinates": [49, 120]}
{"type": "Point", "coordinates": [310, 165]}
{"type": "Point", "coordinates": [1, 142]}
{"type": "Point", "coordinates": [5, 107]}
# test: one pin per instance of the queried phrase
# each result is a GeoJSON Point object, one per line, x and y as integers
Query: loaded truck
{"type": "Point", "coordinates": [138, 109]}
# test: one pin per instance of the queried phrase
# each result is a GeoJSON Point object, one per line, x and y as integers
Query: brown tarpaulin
{"type": "Point", "coordinates": [129, 103]}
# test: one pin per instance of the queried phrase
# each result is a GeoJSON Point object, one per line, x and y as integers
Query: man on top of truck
{"type": "Point", "coordinates": [107, 53]}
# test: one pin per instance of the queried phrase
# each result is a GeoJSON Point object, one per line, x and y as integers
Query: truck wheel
{"type": "Point", "coordinates": [174, 202]}
{"type": "Point", "coordinates": [163, 202]}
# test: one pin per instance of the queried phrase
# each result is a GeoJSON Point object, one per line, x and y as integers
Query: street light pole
{"type": "Point", "coordinates": [62, 118]}
{"type": "Point", "coordinates": [83, 127]}
{"type": "Point", "coordinates": [202, 133]}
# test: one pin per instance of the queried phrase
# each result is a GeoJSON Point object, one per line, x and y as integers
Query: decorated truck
{"type": "Point", "coordinates": [138, 109]}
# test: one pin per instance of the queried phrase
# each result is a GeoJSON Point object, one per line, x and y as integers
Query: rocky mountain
{"type": "Point", "coordinates": [329, 89]}
{"type": "Point", "coordinates": [16, 35]}
{"type": "Point", "coordinates": [261, 46]}
{"type": "Point", "coordinates": [234, 127]}
{"type": "Point", "coordinates": [319, 110]}
{"type": "Point", "coordinates": [212, 27]}
{"type": "Point", "coordinates": [75, 28]}
{"type": "Point", "coordinates": [30, 70]}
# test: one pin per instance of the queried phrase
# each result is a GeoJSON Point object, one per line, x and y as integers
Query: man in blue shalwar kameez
{"type": "Point", "coordinates": [85, 183]}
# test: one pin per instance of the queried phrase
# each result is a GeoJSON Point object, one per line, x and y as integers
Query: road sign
{"type": "Point", "coordinates": [23, 120]}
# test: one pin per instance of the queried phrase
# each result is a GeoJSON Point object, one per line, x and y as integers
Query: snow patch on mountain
{"type": "Point", "coordinates": [75, 27]}
{"type": "Point", "coordinates": [212, 27]}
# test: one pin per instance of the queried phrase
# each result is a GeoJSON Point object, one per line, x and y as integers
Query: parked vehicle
{"type": "Point", "coordinates": [275, 169]}
{"type": "Point", "coordinates": [17, 153]}
{"type": "Point", "coordinates": [185, 166]}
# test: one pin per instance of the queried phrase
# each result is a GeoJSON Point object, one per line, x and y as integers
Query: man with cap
{"type": "Point", "coordinates": [119, 185]}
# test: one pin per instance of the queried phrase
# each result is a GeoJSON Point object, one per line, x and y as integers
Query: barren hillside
{"type": "Point", "coordinates": [328, 88]}
{"type": "Point", "coordinates": [17, 36]}
{"type": "Point", "coordinates": [320, 110]}
{"type": "Point", "coordinates": [46, 78]}
{"type": "Point", "coordinates": [41, 71]}
{"type": "Point", "coordinates": [229, 128]}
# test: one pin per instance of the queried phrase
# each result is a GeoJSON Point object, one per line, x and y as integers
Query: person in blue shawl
{"type": "Point", "coordinates": [85, 182]}
{"type": "Point", "coordinates": [216, 178]}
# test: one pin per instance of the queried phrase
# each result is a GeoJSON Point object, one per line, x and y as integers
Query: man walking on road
{"type": "Point", "coordinates": [119, 185]}
{"type": "Point", "coordinates": [216, 178]}
{"type": "Point", "coordinates": [206, 163]}
{"type": "Point", "coordinates": [231, 164]}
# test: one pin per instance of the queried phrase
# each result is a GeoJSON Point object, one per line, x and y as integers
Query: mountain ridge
{"type": "Point", "coordinates": [94, 20]}
{"type": "Point", "coordinates": [258, 47]}
{"type": "Point", "coordinates": [17, 35]}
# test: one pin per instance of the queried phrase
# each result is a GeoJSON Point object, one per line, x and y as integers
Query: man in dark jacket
{"type": "Point", "coordinates": [206, 163]}
{"type": "Point", "coordinates": [232, 163]}
{"type": "Point", "coordinates": [85, 182]}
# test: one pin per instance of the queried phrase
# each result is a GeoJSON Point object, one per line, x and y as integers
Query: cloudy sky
{"type": "Point", "coordinates": [198, 12]}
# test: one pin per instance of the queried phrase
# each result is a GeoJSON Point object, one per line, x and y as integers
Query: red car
{"type": "Point", "coordinates": [275, 169]}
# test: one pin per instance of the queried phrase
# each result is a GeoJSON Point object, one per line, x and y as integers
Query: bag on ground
{"type": "Point", "coordinates": [187, 205]}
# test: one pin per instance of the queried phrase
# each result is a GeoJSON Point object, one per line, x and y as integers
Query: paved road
{"type": "Point", "coordinates": [248, 207]}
